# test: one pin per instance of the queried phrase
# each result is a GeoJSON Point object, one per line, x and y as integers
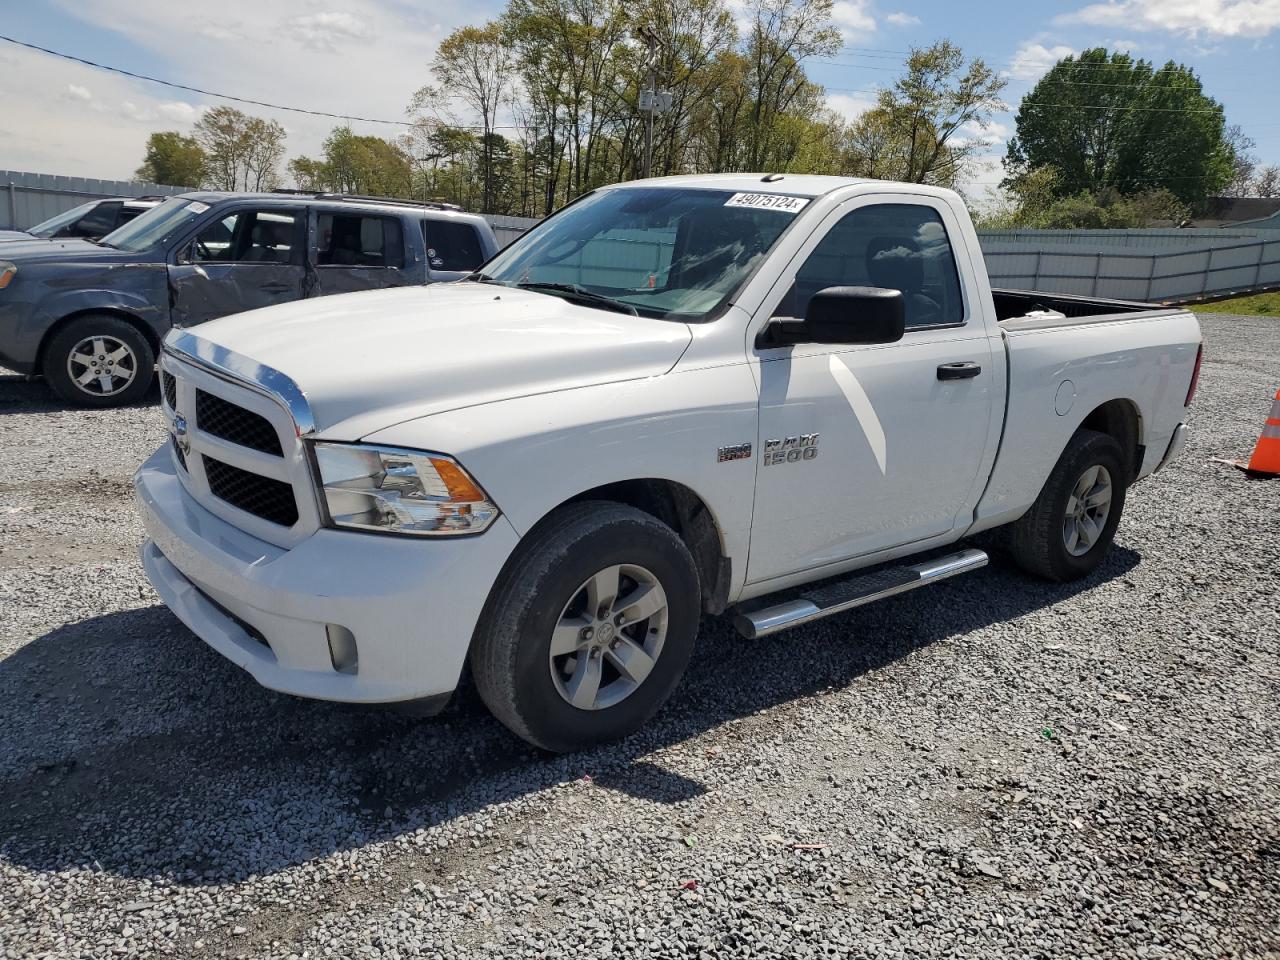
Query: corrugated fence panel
{"type": "Point", "coordinates": [1219, 264]}
{"type": "Point", "coordinates": [29, 198]}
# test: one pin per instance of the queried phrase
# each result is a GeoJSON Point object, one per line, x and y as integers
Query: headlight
{"type": "Point", "coordinates": [7, 272]}
{"type": "Point", "coordinates": [400, 491]}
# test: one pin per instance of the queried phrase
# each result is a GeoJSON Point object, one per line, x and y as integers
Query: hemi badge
{"type": "Point", "coordinates": [738, 451]}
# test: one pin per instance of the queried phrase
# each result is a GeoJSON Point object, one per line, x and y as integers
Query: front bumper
{"type": "Point", "coordinates": [410, 604]}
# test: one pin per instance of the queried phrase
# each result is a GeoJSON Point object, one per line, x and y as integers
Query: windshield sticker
{"type": "Point", "coordinates": [768, 201]}
{"type": "Point", "coordinates": [195, 206]}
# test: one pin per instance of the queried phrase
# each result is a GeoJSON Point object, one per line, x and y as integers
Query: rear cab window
{"type": "Point", "coordinates": [452, 245]}
{"type": "Point", "coordinates": [350, 239]}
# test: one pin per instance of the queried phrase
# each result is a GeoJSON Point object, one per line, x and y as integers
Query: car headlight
{"type": "Point", "coordinates": [7, 272]}
{"type": "Point", "coordinates": [392, 490]}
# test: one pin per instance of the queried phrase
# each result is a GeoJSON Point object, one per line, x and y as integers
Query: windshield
{"type": "Point", "coordinates": [51, 226]}
{"type": "Point", "coordinates": [156, 226]}
{"type": "Point", "coordinates": [660, 251]}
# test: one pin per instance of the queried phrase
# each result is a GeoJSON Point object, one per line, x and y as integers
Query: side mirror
{"type": "Point", "coordinates": [844, 315]}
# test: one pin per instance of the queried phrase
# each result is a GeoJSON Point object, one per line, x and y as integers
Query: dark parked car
{"type": "Point", "coordinates": [92, 220]}
{"type": "Point", "coordinates": [90, 315]}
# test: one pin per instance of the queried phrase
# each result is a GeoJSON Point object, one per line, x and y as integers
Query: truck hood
{"type": "Point", "coordinates": [367, 361]}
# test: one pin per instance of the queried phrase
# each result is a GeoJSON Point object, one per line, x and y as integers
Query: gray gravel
{"type": "Point", "coordinates": [995, 767]}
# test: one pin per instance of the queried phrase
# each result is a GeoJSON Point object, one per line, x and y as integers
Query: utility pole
{"type": "Point", "coordinates": [651, 61]}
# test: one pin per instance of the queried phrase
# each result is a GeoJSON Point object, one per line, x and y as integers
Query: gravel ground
{"type": "Point", "coordinates": [994, 767]}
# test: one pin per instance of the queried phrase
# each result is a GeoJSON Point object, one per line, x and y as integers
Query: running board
{"type": "Point", "coordinates": [855, 592]}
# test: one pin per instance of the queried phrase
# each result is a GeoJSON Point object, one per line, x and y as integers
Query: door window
{"type": "Point", "coordinates": [98, 222]}
{"type": "Point", "coordinates": [894, 245]}
{"type": "Point", "coordinates": [451, 245]}
{"type": "Point", "coordinates": [358, 240]}
{"type": "Point", "coordinates": [249, 236]}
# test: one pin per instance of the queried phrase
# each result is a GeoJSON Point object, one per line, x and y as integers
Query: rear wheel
{"type": "Point", "coordinates": [590, 627]}
{"type": "Point", "coordinates": [1068, 530]}
{"type": "Point", "coordinates": [99, 360]}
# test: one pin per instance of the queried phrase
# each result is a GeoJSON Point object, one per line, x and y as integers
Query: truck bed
{"type": "Point", "coordinates": [1031, 308]}
{"type": "Point", "coordinates": [1066, 358]}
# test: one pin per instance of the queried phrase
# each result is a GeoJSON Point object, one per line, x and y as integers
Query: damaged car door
{"type": "Point", "coordinates": [249, 257]}
{"type": "Point", "coordinates": [357, 250]}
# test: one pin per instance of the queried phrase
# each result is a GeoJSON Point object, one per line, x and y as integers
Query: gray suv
{"type": "Point", "coordinates": [89, 315]}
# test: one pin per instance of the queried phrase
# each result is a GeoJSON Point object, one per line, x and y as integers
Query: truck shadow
{"type": "Point", "coordinates": [132, 748]}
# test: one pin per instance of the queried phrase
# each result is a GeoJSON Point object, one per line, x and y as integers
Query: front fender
{"type": "Point", "coordinates": [140, 290]}
{"type": "Point", "coordinates": [532, 454]}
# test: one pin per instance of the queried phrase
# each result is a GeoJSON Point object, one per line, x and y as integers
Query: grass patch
{"type": "Point", "coordinates": [1258, 305]}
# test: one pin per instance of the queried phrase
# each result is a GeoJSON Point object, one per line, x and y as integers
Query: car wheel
{"type": "Point", "coordinates": [99, 361]}
{"type": "Point", "coordinates": [1068, 530]}
{"type": "Point", "coordinates": [589, 628]}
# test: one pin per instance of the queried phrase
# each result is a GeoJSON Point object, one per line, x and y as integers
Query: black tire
{"type": "Point", "coordinates": [511, 649]}
{"type": "Point", "coordinates": [57, 365]}
{"type": "Point", "coordinates": [1037, 541]}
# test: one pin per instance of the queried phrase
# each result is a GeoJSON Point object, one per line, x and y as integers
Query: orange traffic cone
{"type": "Point", "coordinates": [1266, 455]}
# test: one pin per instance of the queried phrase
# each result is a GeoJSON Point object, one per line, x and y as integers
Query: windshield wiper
{"type": "Point", "coordinates": [479, 277]}
{"type": "Point", "coordinates": [581, 293]}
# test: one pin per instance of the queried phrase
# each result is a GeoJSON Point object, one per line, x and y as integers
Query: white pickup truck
{"type": "Point", "coordinates": [782, 396]}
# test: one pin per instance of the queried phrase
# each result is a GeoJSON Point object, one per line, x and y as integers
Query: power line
{"type": "Point", "coordinates": [235, 99]}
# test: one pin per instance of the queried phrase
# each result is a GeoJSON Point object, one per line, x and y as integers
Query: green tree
{"type": "Point", "coordinates": [476, 64]}
{"type": "Point", "coordinates": [927, 127]}
{"type": "Point", "coordinates": [241, 152]}
{"type": "Point", "coordinates": [1105, 120]}
{"type": "Point", "coordinates": [356, 164]}
{"type": "Point", "coordinates": [1035, 201]}
{"type": "Point", "coordinates": [172, 158]}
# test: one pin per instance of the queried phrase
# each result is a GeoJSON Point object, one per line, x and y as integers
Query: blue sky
{"type": "Point", "coordinates": [367, 57]}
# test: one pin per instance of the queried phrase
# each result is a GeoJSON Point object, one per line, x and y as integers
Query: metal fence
{"type": "Point", "coordinates": [1161, 264]}
{"type": "Point", "coordinates": [30, 198]}
{"type": "Point", "coordinates": [1202, 267]}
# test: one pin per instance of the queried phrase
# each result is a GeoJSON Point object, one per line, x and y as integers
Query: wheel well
{"type": "Point", "coordinates": [1121, 420]}
{"type": "Point", "coordinates": [142, 328]}
{"type": "Point", "coordinates": [684, 512]}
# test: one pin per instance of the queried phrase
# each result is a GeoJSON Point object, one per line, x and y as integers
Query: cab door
{"type": "Point", "coordinates": [865, 448]}
{"type": "Point", "coordinates": [244, 259]}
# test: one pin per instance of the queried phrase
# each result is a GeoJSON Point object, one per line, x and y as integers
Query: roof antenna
{"type": "Point", "coordinates": [771, 178]}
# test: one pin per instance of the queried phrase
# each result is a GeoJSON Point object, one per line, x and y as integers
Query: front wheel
{"type": "Point", "coordinates": [589, 628]}
{"type": "Point", "coordinates": [99, 360]}
{"type": "Point", "coordinates": [1067, 531]}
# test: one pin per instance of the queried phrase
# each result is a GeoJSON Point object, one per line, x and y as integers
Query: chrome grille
{"type": "Point", "coordinates": [272, 500]}
{"type": "Point", "coordinates": [236, 446]}
{"type": "Point", "coordinates": [235, 424]}
{"type": "Point", "coordinates": [170, 388]}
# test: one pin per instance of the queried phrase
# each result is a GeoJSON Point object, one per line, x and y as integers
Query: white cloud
{"type": "Point", "coordinates": [272, 51]}
{"type": "Point", "coordinates": [1033, 60]}
{"type": "Point", "coordinates": [1125, 46]}
{"type": "Point", "coordinates": [77, 92]}
{"type": "Point", "coordinates": [853, 18]}
{"type": "Point", "coordinates": [327, 31]}
{"type": "Point", "coordinates": [851, 105]}
{"type": "Point", "coordinates": [180, 111]}
{"type": "Point", "coordinates": [901, 19]}
{"type": "Point", "coordinates": [1193, 18]}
